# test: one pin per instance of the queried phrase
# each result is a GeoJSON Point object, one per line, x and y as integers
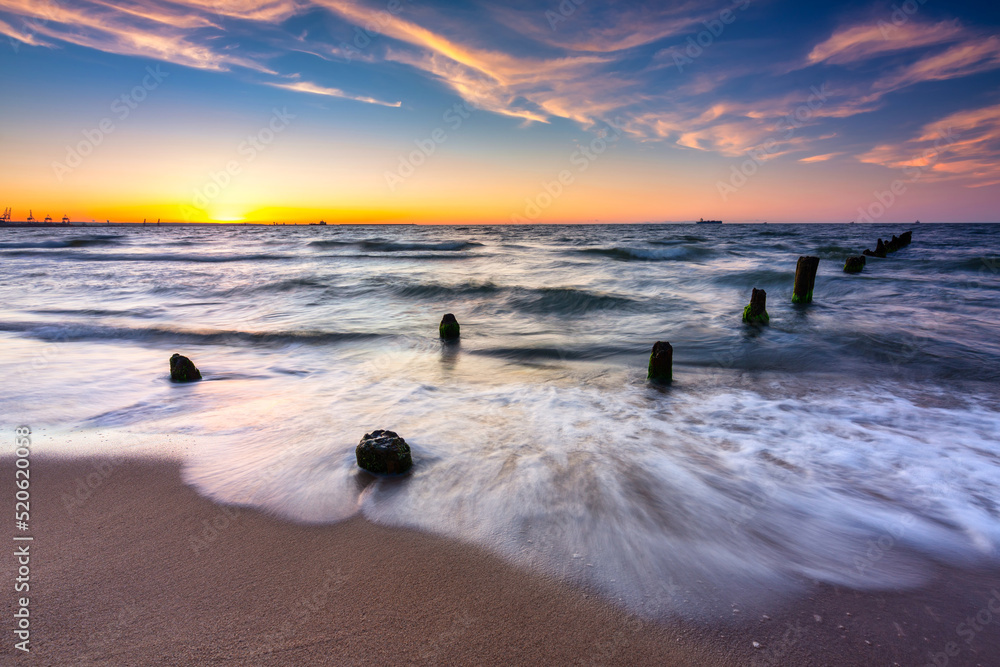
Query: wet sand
{"type": "Point", "coordinates": [131, 574]}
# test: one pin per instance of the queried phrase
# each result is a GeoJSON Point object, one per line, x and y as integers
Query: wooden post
{"type": "Point", "coordinates": [805, 279]}
{"type": "Point", "coordinates": [756, 310]}
{"type": "Point", "coordinates": [854, 264]}
{"type": "Point", "coordinates": [878, 252]}
{"type": "Point", "coordinates": [661, 363]}
{"type": "Point", "coordinates": [449, 328]}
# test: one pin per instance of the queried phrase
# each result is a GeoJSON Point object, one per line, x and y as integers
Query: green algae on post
{"type": "Point", "coordinates": [449, 328]}
{"type": "Point", "coordinates": [756, 311]}
{"type": "Point", "coordinates": [854, 264]}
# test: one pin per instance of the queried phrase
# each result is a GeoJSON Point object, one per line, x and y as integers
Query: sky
{"type": "Point", "coordinates": [561, 111]}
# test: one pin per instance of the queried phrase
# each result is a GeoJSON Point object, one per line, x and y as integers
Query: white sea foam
{"type": "Point", "coordinates": [672, 502]}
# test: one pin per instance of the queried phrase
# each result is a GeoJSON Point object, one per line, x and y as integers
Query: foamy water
{"type": "Point", "coordinates": [852, 442]}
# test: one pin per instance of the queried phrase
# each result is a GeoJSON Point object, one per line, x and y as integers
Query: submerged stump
{"type": "Point", "coordinates": [449, 328]}
{"type": "Point", "coordinates": [661, 363]}
{"type": "Point", "coordinates": [756, 311]}
{"type": "Point", "coordinates": [854, 264]}
{"type": "Point", "coordinates": [183, 369]}
{"type": "Point", "coordinates": [883, 248]}
{"type": "Point", "coordinates": [805, 279]}
{"type": "Point", "coordinates": [879, 251]}
{"type": "Point", "coordinates": [384, 453]}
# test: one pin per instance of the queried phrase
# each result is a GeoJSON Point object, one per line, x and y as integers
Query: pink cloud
{"type": "Point", "coordinates": [961, 146]}
{"type": "Point", "coordinates": [868, 40]}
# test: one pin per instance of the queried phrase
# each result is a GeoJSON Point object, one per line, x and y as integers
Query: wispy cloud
{"type": "Point", "coordinates": [589, 29]}
{"type": "Point", "coordinates": [25, 36]}
{"type": "Point", "coordinates": [962, 145]}
{"type": "Point", "coordinates": [306, 87]}
{"type": "Point", "coordinates": [970, 57]}
{"type": "Point", "coordinates": [820, 158]}
{"type": "Point", "coordinates": [130, 30]}
{"type": "Point", "coordinates": [862, 42]}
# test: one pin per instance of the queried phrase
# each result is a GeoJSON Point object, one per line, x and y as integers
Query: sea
{"type": "Point", "coordinates": [853, 441]}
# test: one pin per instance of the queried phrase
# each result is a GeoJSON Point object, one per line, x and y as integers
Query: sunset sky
{"type": "Point", "coordinates": [579, 111]}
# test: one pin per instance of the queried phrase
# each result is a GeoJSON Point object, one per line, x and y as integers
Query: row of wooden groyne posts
{"type": "Point", "coordinates": [385, 452]}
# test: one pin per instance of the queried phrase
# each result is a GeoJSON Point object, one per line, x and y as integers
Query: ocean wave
{"type": "Point", "coordinates": [687, 238]}
{"type": "Point", "coordinates": [434, 256]}
{"type": "Point", "coordinates": [437, 290]}
{"type": "Point", "coordinates": [146, 257]}
{"type": "Point", "coordinates": [986, 265]}
{"type": "Point", "coordinates": [539, 300]}
{"type": "Point", "coordinates": [331, 243]}
{"type": "Point", "coordinates": [57, 333]}
{"type": "Point", "coordinates": [95, 312]}
{"type": "Point", "coordinates": [626, 254]}
{"type": "Point", "coordinates": [528, 354]}
{"type": "Point", "coordinates": [74, 242]}
{"type": "Point", "coordinates": [287, 285]}
{"type": "Point", "coordinates": [378, 245]}
{"type": "Point", "coordinates": [567, 301]}
{"type": "Point", "coordinates": [769, 278]}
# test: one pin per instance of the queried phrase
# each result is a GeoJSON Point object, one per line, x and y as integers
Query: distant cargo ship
{"type": "Point", "coordinates": [702, 221]}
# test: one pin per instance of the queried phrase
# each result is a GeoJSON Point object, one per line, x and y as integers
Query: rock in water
{"type": "Point", "coordinates": [384, 452]}
{"type": "Point", "coordinates": [756, 311]}
{"type": "Point", "coordinates": [854, 264]}
{"type": "Point", "coordinates": [661, 363]}
{"type": "Point", "coordinates": [183, 369]}
{"type": "Point", "coordinates": [449, 328]}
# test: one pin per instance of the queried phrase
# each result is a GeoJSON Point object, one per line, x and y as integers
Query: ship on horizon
{"type": "Point", "coordinates": [703, 221]}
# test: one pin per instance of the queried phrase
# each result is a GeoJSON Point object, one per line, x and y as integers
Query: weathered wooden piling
{"type": "Point", "coordinates": [900, 242]}
{"type": "Point", "coordinates": [756, 311]}
{"type": "Point", "coordinates": [449, 328]}
{"type": "Point", "coordinates": [854, 264]}
{"type": "Point", "coordinates": [661, 363]}
{"type": "Point", "coordinates": [879, 251]}
{"type": "Point", "coordinates": [805, 279]}
{"type": "Point", "coordinates": [892, 245]}
{"type": "Point", "coordinates": [183, 369]}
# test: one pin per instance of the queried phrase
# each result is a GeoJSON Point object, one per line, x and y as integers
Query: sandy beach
{"type": "Point", "coordinates": [131, 575]}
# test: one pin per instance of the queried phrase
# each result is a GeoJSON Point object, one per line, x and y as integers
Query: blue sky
{"type": "Point", "coordinates": [830, 104]}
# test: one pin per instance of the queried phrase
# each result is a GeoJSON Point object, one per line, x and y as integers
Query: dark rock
{"type": "Point", "coordinates": [661, 363]}
{"type": "Point", "coordinates": [449, 328]}
{"type": "Point", "coordinates": [383, 452]}
{"type": "Point", "coordinates": [183, 369]}
{"type": "Point", "coordinates": [854, 264]}
{"type": "Point", "coordinates": [756, 311]}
